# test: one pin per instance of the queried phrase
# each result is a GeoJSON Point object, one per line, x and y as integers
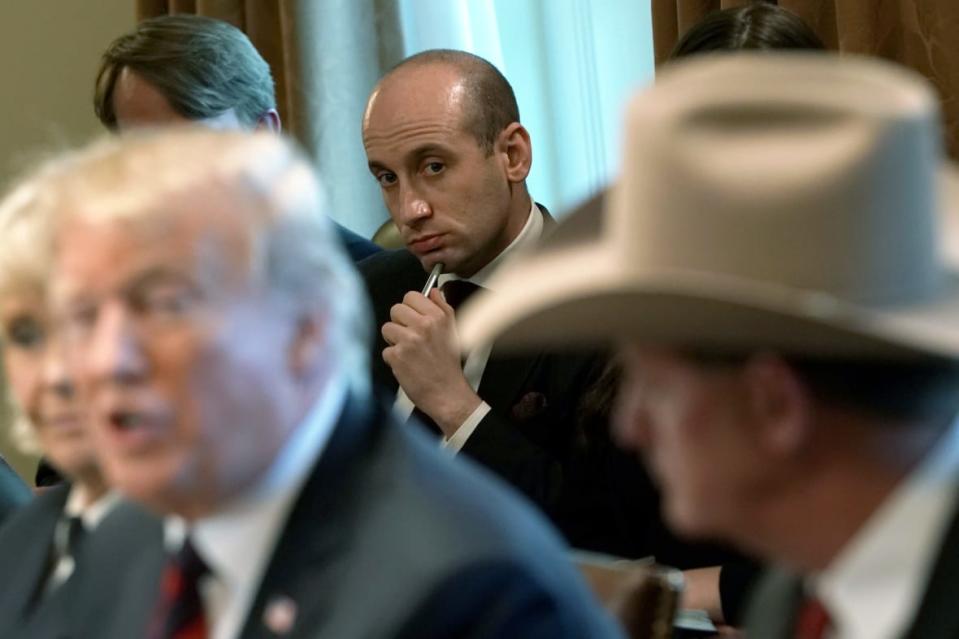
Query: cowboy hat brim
{"type": "Point", "coordinates": [584, 297]}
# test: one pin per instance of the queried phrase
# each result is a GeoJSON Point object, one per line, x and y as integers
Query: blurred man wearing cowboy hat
{"type": "Point", "coordinates": [770, 264]}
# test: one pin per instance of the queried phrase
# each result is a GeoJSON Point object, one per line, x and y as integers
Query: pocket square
{"type": "Point", "coordinates": [530, 405]}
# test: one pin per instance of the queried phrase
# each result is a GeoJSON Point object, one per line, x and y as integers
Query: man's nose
{"type": "Point", "coordinates": [115, 354]}
{"type": "Point", "coordinates": [414, 206]}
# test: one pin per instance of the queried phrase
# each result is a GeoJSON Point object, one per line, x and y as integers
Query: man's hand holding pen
{"type": "Point", "coordinates": [424, 354]}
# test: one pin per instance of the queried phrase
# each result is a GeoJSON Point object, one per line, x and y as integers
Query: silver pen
{"type": "Point", "coordinates": [431, 280]}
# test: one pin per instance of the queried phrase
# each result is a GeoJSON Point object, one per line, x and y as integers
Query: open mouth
{"type": "Point", "coordinates": [132, 431]}
{"type": "Point", "coordinates": [125, 421]}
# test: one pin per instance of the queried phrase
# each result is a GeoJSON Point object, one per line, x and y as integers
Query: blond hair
{"type": "Point", "coordinates": [26, 218]}
{"type": "Point", "coordinates": [280, 203]}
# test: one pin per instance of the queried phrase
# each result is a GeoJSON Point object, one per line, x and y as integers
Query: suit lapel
{"type": "Point", "coordinates": [32, 563]}
{"type": "Point", "coordinates": [938, 615]}
{"type": "Point", "coordinates": [504, 377]}
{"type": "Point", "coordinates": [308, 559]}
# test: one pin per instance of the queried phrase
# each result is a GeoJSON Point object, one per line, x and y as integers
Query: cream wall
{"type": "Point", "coordinates": [50, 50]}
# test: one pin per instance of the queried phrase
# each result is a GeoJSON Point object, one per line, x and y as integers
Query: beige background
{"type": "Point", "coordinates": [50, 50]}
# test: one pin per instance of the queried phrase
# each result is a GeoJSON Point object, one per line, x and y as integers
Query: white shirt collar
{"type": "Point", "coordinates": [93, 514]}
{"type": "Point", "coordinates": [872, 589]}
{"type": "Point", "coordinates": [527, 238]}
{"type": "Point", "coordinates": [250, 525]}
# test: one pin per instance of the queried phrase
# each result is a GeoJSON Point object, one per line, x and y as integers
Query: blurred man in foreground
{"type": "Point", "coordinates": [769, 260]}
{"type": "Point", "coordinates": [221, 334]}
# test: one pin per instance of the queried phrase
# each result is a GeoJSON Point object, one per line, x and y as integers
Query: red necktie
{"type": "Point", "coordinates": [179, 611]}
{"type": "Point", "coordinates": [812, 620]}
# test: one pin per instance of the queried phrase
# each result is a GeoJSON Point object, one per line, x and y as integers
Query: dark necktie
{"type": "Point", "coordinates": [456, 293]}
{"type": "Point", "coordinates": [179, 611]}
{"type": "Point", "coordinates": [812, 620]}
{"type": "Point", "coordinates": [67, 538]}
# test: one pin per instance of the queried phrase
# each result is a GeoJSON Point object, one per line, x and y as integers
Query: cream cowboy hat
{"type": "Point", "coordinates": [785, 201]}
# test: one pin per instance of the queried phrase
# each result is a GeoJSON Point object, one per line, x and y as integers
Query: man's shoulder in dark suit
{"type": "Point", "coordinates": [415, 544]}
{"type": "Point", "coordinates": [388, 275]}
{"type": "Point", "coordinates": [356, 245]}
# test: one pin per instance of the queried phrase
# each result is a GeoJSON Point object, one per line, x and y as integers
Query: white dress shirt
{"type": "Point", "coordinates": [872, 589]}
{"type": "Point", "coordinates": [237, 541]}
{"type": "Point", "coordinates": [476, 360]}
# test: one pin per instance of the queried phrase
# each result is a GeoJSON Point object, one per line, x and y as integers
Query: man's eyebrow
{"type": "Point", "coordinates": [428, 149]}
{"type": "Point", "coordinates": [155, 275]}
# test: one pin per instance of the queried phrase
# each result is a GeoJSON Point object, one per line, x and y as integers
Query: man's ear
{"type": "Point", "coordinates": [307, 348]}
{"type": "Point", "coordinates": [514, 143]}
{"type": "Point", "coordinates": [269, 121]}
{"type": "Point", "coordinates": [781, 404]}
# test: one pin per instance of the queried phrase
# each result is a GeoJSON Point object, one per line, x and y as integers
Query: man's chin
{"type": "Point", "coordinates": [149, 484]}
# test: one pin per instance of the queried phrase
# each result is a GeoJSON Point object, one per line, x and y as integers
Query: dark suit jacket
{"type": "Point", "coordinates": [545, 441]}
{"type": "Point", "coordinates": [356, 245]}
{"type": "Point", "coordinates": [773, 610]}
{"type": "Point", "coordinates": [26, 543]}
{"type": "Point", "coordinates": [531, 436]}
{"type": "Point", "coordinates": [390, 538]}
{"type": "Point", "coordinates": [26, 540]}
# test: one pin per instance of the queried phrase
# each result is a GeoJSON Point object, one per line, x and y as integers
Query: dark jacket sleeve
{"type": "Point", "coordinates": [356, 245]}
{"type": "Point", "coordinates": [14, 492]}
{"type": "Point", "coordinates": [498, 599]}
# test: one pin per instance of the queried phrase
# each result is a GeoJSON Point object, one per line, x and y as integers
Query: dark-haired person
{"type": "Point", "coordinates": [182, 68]}
{"type": "Point", "coordinates": [445, 143]}
{"type": "Point", "coordinates": [755, 26]}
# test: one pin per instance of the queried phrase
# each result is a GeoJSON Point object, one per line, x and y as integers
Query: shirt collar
{"type": "Point", "coordinates": [527, 238]}
{"type": "Point", "coordinates": [874, 585]}
{"type": "Point", "coordinates": [93, 514]}
{"type": "Point", "coordinates": [249, 525]}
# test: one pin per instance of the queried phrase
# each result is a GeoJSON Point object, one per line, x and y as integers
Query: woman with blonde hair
{"type": "Point", "coordinates": [38, 544]}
